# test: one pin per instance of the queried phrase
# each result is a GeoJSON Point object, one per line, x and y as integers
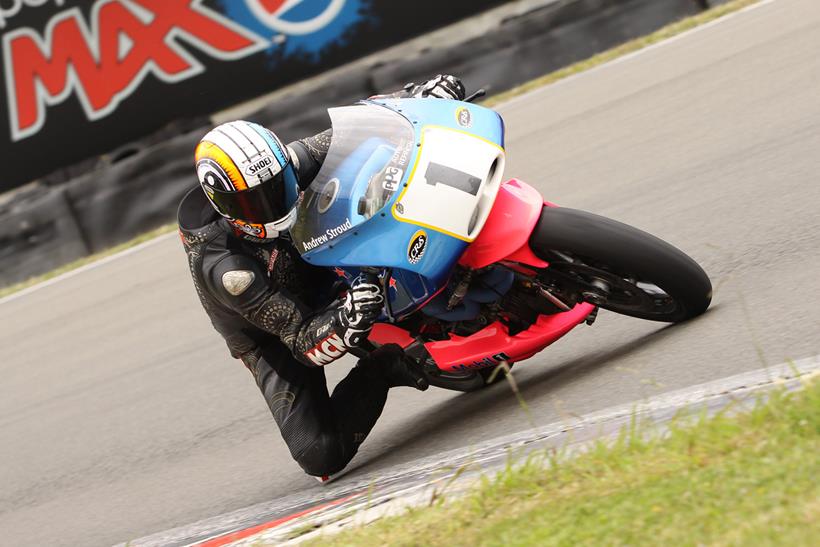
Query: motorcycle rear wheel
{"type": "Point", "coordinates": [620, 268]}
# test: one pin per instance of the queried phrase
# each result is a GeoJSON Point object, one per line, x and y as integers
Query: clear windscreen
{"type": "Point", "coordinates": [369, 154]}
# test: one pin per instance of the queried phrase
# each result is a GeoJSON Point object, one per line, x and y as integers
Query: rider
{"type": "Point", "coordinates": [281, 316]}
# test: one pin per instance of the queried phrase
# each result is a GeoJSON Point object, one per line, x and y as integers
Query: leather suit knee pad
{"type": "Point", "coordinates": [326, 455]}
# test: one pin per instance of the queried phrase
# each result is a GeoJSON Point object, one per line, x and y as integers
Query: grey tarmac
{"type": "Point", "coordinates": [415, 484]}
{"type": "Point", "coordinates": [121, 414]}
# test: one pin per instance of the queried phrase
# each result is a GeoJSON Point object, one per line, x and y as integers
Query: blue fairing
{"type": "Point", "coordinates": [345, 219]}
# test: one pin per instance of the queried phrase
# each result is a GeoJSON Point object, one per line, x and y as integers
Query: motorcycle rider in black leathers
{"type": "Point", "coordinates": [284, 318]}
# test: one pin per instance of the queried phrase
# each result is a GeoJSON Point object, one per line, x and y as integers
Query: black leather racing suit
{"type": "Point", "coordinates": [272, 326]}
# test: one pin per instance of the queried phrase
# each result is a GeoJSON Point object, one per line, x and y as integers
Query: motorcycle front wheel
{"type": "Point", "coordinates": [618, 267]}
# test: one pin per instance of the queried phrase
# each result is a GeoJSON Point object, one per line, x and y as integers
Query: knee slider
{"type": "Point", "coordinates": [324, 456]}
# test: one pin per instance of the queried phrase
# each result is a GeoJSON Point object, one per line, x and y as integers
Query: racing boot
{"type": "Point", "coordinates": [391, 365]}
{"type": "Point", "coordinates": [325, 479]}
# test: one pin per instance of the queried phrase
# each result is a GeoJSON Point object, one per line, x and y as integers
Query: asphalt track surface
{"type": "Point", "coordinates": [121, 413]}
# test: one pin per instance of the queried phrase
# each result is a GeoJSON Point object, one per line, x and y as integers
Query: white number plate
{"type": "Point", "coordinates": [453, 178]}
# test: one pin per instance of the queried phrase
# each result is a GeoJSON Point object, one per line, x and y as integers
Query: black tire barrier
{"type": "Point", "coordinates": [538, 42]}
{"type": "Point", "coordinates": [138, 187]}
{"type": "Point", "coordinates": [304, 112]}
{"type": "Point", "coordinates": [38, 235]}
{"type": "Point", "coordinates": [133, 195]}
{"type": "Point", "coordinates": [517, 50]}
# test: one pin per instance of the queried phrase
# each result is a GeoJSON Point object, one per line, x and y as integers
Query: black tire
{"type": "Point", "coordinates": [469, 380]}
{"type": "Point", "coordinates": [462, 381]}
{"type": "Point", "coordinates": [624, 252]}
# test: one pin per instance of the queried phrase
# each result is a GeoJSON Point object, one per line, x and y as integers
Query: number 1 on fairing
{"type": "Point", "coordinates": [442, 174]}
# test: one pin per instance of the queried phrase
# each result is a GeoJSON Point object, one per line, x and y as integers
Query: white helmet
{"type": "Point", "coordinates": [249, 178]}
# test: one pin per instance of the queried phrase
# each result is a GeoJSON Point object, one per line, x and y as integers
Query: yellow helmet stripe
{"type": "Point", "coordinates": [214, 152]}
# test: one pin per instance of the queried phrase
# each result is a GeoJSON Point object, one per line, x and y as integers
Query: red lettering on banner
{"type": "Point", "coordinates": [273, 5]}
{"type": "Point", "coordinates": [71, 57]}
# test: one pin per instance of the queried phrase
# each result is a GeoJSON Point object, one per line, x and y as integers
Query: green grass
{"type": "Point", "coordinates": [609, 55]}
{"type": "Point", "coordinates": [732, 479]}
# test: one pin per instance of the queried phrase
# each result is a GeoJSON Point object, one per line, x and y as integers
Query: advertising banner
{"type": "Point", "coordinates": [81, 77]}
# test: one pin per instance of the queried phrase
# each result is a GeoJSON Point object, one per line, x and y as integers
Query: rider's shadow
{"type": "Point", "coordinates": [451, 418]}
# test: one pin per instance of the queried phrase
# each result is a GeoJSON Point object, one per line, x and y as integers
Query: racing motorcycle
{"type": "Point", "coordinates": [475, 270]}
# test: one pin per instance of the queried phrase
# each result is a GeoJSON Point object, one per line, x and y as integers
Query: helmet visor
{"type": "Point", "coordinates": [261, 204]}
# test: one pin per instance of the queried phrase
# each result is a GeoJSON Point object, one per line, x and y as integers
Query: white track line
{"type": "Point", "coordinates": [87, 267]}
{"type": "Point", "coordinates": [514, 100]}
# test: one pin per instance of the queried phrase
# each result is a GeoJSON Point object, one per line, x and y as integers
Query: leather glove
{"type": "Point", "coordinates": [441, 87]}
{"type": "Point", "coordinates": [360, 310]}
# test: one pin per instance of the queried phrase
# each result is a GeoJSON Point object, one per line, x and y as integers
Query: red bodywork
{"type": "Point", "coordinates": [504, 238]}
{"type": "Point", "coordinates": [506, 233]}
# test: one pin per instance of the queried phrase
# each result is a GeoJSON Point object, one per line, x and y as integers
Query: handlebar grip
{"type": "Point", "coordinates": [370, 275]}
{"type": "Point", "coordinates": [362, 349]}
{"type": "Point", "coordinates": [477, 95]}
{"type": "Point", "coordinates": [367, 346]}
{"type": "Point", "coordinates": [360, 352]}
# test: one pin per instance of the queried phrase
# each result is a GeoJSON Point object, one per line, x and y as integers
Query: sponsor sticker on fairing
{"type": "Point", "coordinates": [464, 117]}
{"type": "Point", "coordinates": [417, 246]}
{"type": "Point", "coordinates": [329, 235]}
{"type": "Point", "coordinates": [392, 178]}
{"type": "Point", "coordinates": [484, 363]}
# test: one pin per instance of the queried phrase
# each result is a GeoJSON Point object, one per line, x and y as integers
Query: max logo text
{"type": "Point", "coordinates": [105, 59]}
